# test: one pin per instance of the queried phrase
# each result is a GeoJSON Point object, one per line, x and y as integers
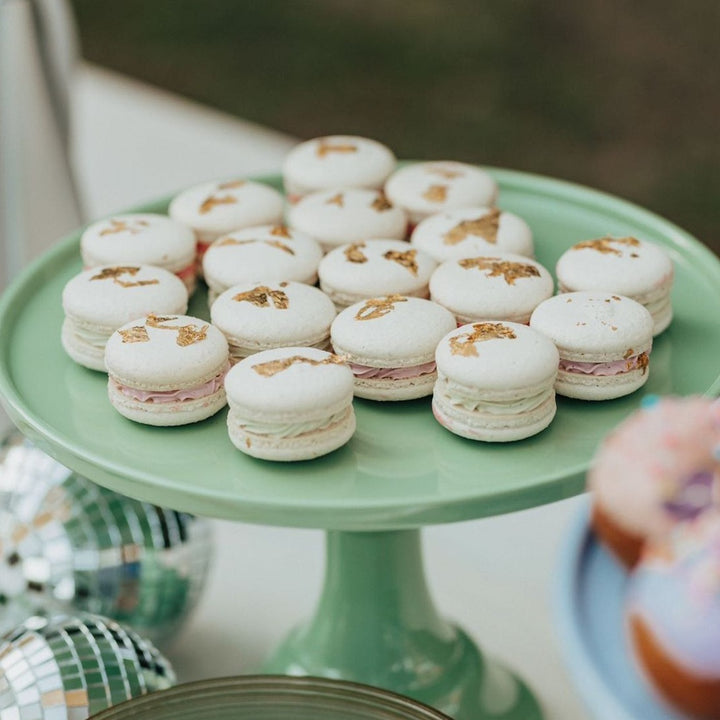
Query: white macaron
{"type": "Point", "coordinates": [499, 287]}
{"type": "Point", "coordinates": [371, 268]}
{"type": "Point", "coordinates": [604, 342]}
{"type": "Point", "coordinates": [423, 189]}
{"type": "Point", "coordinates": [260, 254]}
{"type": "Point", "coordinates": [390, 344]}
{"type": "Point", "coordinates": [214, 209]}
{"type": "Point", "coordinates": [337, 217]}
{"type": "Point", "coordinates": [627, 266]}
{"type": "Point", "coordinates": [495, 381]}
{"type": "Point", "coordinates": [468, 232]}
{"type": "Point", "coordinates": [292, 403]}
{"type": "Point", "coordinates": [261, 316]}
{"type": "Point", "coordinates": [167, 370]}
{"type": "Point", "coordinates": [141, 239]}
{"type": "Point", "coordinates": [336, 161]}
{"type": "Point", "coordinates": [99, 301]}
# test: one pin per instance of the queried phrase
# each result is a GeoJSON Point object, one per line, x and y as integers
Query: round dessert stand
{"type": "Point", "coordinates": [375, 622]}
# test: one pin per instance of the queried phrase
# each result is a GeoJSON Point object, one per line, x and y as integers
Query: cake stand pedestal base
{"type": "Point", "coordinates": [376, 624]}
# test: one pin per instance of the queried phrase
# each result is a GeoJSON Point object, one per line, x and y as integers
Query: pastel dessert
{"type": "Point", "coordinates": [426, 188]}
{"type": "Point", "coordinates": [673, 615]}
{"type": "Point", "coordinates": [371, 268]}
{"type": "Point", "coordinates": [656, 469]}
{"type": "Point", "coordinates": [290, 403]}
{"type": "Point", "coordinates": [214, 209]}
{"type": "Point", "coordinates": [638, 269]}
{"type": "Point", "coordinates": [341, 216]}
{"type": "Point", "coordinates": [167, 370]}
{"type": "Point", "coordinates": [495, 381]}
{"type": "Point", "coordinates": [262, 316]}
{"type": "Point", "coordinates": [499, 287]}
{"type": "Point", "coordinates": [99, 301]}
{"type": "Point", "coordinates": [390, 343]}
{"type": "Point", "coordinates": [473, 231]}
{"type": "Point", "coordinates": [336, 161]}
{"type": "Point", "coordinates": [141, 239]}
{"type": "Point", "coordinates": [604, 342]}
{"type": "Point", "coordinates": [265, 253]}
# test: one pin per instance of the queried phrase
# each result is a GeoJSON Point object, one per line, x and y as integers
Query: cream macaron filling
{"type": "Point", "coordinates": [498, 406]}
{"type": "Point", "coordinates": [285, 429]}
{"type": "Point", "coordinates": [366, 372]}
{"type": "Point", "coordinates": [637, 361]}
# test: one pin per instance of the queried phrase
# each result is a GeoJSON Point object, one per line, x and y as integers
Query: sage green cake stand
{"type": "Point", "coordinates": [376, 622]}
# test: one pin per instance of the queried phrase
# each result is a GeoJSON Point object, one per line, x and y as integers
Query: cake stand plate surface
{"type": "Point", "coordinates": [590, 595]}
{"type": "Point", "coordinates": [401, 469]}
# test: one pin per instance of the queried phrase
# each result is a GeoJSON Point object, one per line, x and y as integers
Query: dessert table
{"type": "Point", "coordinates": [267, 579]}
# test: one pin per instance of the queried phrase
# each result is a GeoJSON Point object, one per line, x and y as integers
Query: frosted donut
{"type": "Point", "coordinates": [657, 468]}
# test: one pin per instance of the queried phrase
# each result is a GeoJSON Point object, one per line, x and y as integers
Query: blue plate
{"type": "Point", "coordinates": [589, 600]}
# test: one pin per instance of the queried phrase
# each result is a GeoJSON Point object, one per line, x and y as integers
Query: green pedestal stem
{"type": "Point", "coordinates": [376, 624]}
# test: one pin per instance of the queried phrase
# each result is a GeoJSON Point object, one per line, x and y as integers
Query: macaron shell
{"type": "Point", "coordinates": [167, 353]}
{"type": "Point", "coordinates": [82, 353]}
{"type": "Point", "coordinates": [337, 161]}
{"type": "Point", "coordinates": [394, 331]}
{"type": "Point", "coordinates": [336, 217]}
{"type": "Point", "coordinates": [138, 239]}
{"type": "Point", "coordinates": [216, 208]}
{"type": "Point", "coordinates": [499, 287]}
{"type": "Point", "coordinates": [472, 231]}
{"type": "Point", "coordinates": [598, 387]}
{"type": "Point", "coordinates": [371, 268]}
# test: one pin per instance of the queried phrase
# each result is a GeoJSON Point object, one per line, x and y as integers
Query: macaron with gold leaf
{"type": "Point", "coordinates": [336, 161]}
{"type": "Point", "coordinates": [213, 209]}
{"type": "Point", "coordinates": [426, 188]}
{"type": "Point", "coordinates": [342, 216]}
{"type": "Point", "coordinates": [370, 268]}
{"type": "Point", "coordinates": [473, 231]}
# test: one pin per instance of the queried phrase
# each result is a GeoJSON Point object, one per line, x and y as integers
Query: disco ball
{"type": "Point", "coordinates": [67, 544]}
{"type": "Point", "coordinates": [67, 668]}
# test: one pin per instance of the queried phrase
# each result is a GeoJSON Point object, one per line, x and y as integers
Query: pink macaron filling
{"type": "Point", "coordinates": [617, 367]}
{"type": "Point", "coordinates": [167, 396]}
{"type": "Point", "coordinates": [400, 373]}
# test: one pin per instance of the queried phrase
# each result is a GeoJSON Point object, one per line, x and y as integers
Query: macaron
{"type": "Point", "coordinates": [291, 403]}
{"type": "Point", "coordinates": [371, 268]}
{"type": "Point", "coordinates": [262, 316]}
{"type": "Point", "coordinates": [99, 301]}
{"type": "Point", "coordinates": [390, 344]}
{"type": "Point", "coordinates": [495, 381]}
{"type": "Point", "coordinates": [500, 287]}
{"type": "Point", "coordinates": [638, 269]}
{"type": "Point", "coordinates": [604, 342]}
{"type": "Point", "coordinates": [167, 370]}
{"type": "Point", "coordinates": [336, 161]}
{"type": "Point", "coordinates": [214, 209]}
{"type": "Point", "coordinates": [266, 253]}
{"type": "Point", "coordinates": [473, 231]}
{"type": "Point", "coordinates": [338, 217]}
{"type": "Point", "coordinates": [425, 188]}
{"type": "Point", "coordinates": [141, 239]}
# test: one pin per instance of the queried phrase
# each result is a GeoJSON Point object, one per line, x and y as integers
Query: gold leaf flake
{"type": "Point", "coordinates": [408, 259]}
{"type": "Point", "coordinates": [338, 200]}
{"type": "Point", "coordinates": [509, 271]}
{"type": "Point", "coordinates": [228, 241]}
{"type": "Point", "coordinates": [325, 147]}
{"type": "Point", "coordinates": [354, 253]}
{"type": "Point", "coordinates": [281, 231]}
{"type": "Point", "coordinates": [464, 344]}
{"type": "Point", "coordinates": [443, 172]}
{"type": "Point", "coordinates": [115, 273]}
{"type": "Point", "coordinates": [212, 201]}
{"type": "Point", "coordinates": [280, 246]}
{"type": "Point", "coordinates": [135, 334]}
{"type": "Point", "coordinates": [642, 362]}
{"type": "Point", "coordinates": [436, 193]}
{"type": "Point", "coordinates": [273, 367]}
{"type": "Point", "coordinates": [605, 245]}
{"type": "Point", "coordinates": [378, 307]}
{"type": "Point", "coordinates": [381, 203]}
{"type": "Point", "coordinates": [486, 226]}
{"type": "Point", "coordinates": [263, 296]}
{"type": "Point", "coordinates": [130, 226]}
{"type": "Point", "coordinates": [231, 184]}
{"type": "Point", "coordinates": [189, 335]}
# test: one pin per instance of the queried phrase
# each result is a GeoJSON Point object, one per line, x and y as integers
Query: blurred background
{"type": "Point", "coordinates": [621, 96]}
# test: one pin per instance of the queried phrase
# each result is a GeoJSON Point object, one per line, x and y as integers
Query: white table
{"type": "Point", "coordinates": [493, 576]}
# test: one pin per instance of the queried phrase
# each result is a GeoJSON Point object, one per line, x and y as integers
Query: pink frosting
{"type": "Point", "coordinates": [618, 367]}
{"type": "Point", "coordinates": [400, 373]}
{"type": "Point", "coordinates": [167, 396]}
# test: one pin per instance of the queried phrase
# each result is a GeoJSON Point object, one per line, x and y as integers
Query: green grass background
{"type": "Point", "coordinates": [623, 96]}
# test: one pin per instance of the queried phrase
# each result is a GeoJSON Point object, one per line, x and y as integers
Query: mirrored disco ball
{"type": "Point", "coordinates": [67, 668]}
{"type": "Point", "coordinates": [68, 544]}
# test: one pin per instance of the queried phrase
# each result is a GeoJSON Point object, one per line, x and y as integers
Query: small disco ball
{"type": "Point", "coordinates": [67, 544]}
{"type": "Point", "coordinates": [70, 667]}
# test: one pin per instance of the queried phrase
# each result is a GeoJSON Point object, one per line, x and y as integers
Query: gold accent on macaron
{"type": "Point", "coordinates": [228, 241]}
{"type": "Point", "coordinates": [642, 362]}
{"type": "Point", "coordinates": [354, 253]}
{"type": "Point", "coordinates": [464, 344]}
{"type": "Point", "coordinates": [508, 270]}
{"type": "Point", "coordinates": [212, 201]}
{"type": "Point", "coordinates": [436, 193]}
{"type": "Point", "coordinates": [281, 231]}
{"type": "Point", "coordinates": [378, 307]}
{"type": "Point", "coordinates": [135, 334]}
{"type": "Point", "coordinates": [325, 147]}
{"type": "Point", "coordinates": [231, 184]}
{"type": "Point", "coordinates": [604, 245]}
{"type": "Point", "coordinates": [444, 172]}
{"type": "Point", "coordinates": [381, 203]}
{"type": "Point", "coordinates": [263, 296]}
{"type": "Point", "coordinates": [338, 200]}
{"type": "Point", "coordinates": [273, 367]}
{"type": "Point", "coordinates": [115, 273]}
{"type": "Point", "coordinates": [117, 226]}
{"type": "Point", "coordinates": [186, 334]}
{"type": "Point", "coordinates": [486, 226]}
{"type": "Point", "coordinates": [407, 258]}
